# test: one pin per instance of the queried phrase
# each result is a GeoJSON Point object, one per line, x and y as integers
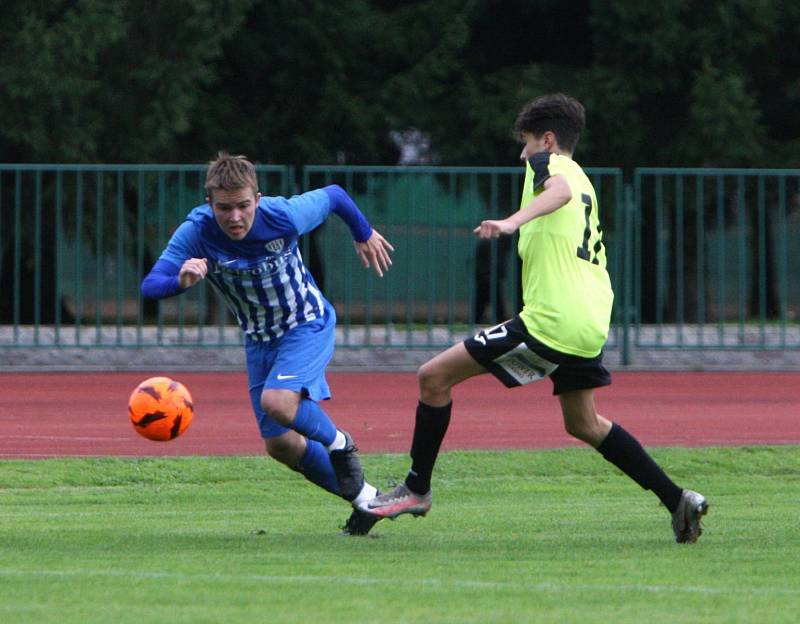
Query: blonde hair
{"type": "Point", "coordinates": [230, 173]}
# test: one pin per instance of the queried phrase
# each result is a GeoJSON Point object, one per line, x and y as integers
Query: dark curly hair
{"type": "Point", "coordinates": [561, 114]}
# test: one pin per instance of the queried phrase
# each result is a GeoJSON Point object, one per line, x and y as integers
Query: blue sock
{"type": "Point", "coordinates": [315, 466]}
{"type": "Point", "coordinates": [314, 423]}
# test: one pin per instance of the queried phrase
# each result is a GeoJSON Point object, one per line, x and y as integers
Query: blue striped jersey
{"type": "Point", "coordinates": [261, 277]}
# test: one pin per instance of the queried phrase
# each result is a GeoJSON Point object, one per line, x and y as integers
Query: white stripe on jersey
{"type": "Point", "coordinates": [271, 298]}
{"type": "Point", "coordinates": [313, 301]}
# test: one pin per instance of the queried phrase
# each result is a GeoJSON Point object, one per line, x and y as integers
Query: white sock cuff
{"type": "Point", "coordinates": [368, 492]}
{"type": "Point", "coordinates": [338, 443]}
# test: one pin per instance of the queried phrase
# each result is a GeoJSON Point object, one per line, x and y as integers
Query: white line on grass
{"type": "Point", "coordinates": [453, 583]}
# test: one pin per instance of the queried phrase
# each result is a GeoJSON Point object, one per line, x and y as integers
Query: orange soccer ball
{"type": "Point", "coordinates": [160, 409]}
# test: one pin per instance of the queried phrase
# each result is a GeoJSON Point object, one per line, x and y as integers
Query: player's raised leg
{"type": "Point", "coordinates": [331, 460]}
{"type": "Point", "coordinates": [436, 379]}
{"type": "Point", "coordinates": [619, 447]}
{"type": "Point", "coordinates": [311, 459]}
{"type": "Point", "coordinates": [329, 449]}
{"type": "Point", "coordinates": [294, 390]}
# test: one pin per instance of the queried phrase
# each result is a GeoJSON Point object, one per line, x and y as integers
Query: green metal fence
{"type": "Point", "coordinates": [714, 259]}
{"type": "Point", "coordinates": [431, 296]}
{"type": "Point", "coordinates": [75, 241]}
{"type": "Point", "coordinates": [698, 258]}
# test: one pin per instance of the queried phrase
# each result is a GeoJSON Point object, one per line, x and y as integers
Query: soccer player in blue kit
{"type": "Point", "coordinates": [246, 245]}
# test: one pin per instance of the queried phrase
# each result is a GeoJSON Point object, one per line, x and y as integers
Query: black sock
{"type": "Point", "coordinates": [429, 430]}
{"type": "Point", "coordinates": [624, 451]}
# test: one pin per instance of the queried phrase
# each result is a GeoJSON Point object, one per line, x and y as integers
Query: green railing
{"type": "Point", "coordinates": [698, 258]}
{"type": "Point", "coordinates": [75, 241]}
{"type": "Point", "coordinates": [441, 273]}
{"type": "Point", "coordinates": [714, 255]}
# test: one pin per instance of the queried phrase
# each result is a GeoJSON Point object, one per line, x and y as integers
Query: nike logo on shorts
{"type": "Point", "coordinates": [282, 377]}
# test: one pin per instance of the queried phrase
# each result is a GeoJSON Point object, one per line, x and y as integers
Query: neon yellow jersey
{"type": "Point", "coordinates": [566, 290]}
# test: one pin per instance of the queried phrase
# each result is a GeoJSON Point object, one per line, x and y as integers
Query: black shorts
{"type": "Point", "coordinates": [516, 358]}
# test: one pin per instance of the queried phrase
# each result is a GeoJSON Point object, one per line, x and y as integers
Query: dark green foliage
{"type": "Point", "coordinates": [106, 80]}
{"type": "Point", "coordinates": [284, 81]}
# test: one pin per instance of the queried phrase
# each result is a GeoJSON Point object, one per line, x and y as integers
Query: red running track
{"type": "Point", "coordinates": [71, 414]}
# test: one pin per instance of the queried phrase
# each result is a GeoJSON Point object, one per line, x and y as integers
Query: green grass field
{"type": "Point", "coordinates": [538, 536]}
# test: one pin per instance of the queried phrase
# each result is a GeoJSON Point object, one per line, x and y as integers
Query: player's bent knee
{"type": "Point", "coordinates": [280, 405]}
{"type": "Point", "coordinates": [432, 380]}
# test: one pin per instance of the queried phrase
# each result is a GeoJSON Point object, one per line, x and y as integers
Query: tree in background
{"type": "Point", "coordinates": [106, 80]}
{"type": "Point", "coordinates": [670, 83]}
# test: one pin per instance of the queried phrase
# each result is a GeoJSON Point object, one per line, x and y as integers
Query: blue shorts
{"type": "Point", "coordinates": [295, 361]}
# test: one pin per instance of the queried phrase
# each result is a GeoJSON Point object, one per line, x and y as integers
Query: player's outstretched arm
{"type": "Point", "coordinates": [375, 252]}
{"type": "Point", "coordinates": [493, 228]}
{"type": "Point", "coordinates": [371, 247]}
{"type": "Point", "coordinates": [192, 271]}
{"type": "Point", "coordinates": [556, 193]}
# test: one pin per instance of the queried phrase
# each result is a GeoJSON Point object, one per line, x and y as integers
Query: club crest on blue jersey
{"type": "Point", "coordinates": [262, 278]}
{"type": "Point", "coordinates": [275, 246]}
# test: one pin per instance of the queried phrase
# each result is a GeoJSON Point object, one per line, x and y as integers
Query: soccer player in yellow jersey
{"type": "Point", "coordinates": [560, 331]}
